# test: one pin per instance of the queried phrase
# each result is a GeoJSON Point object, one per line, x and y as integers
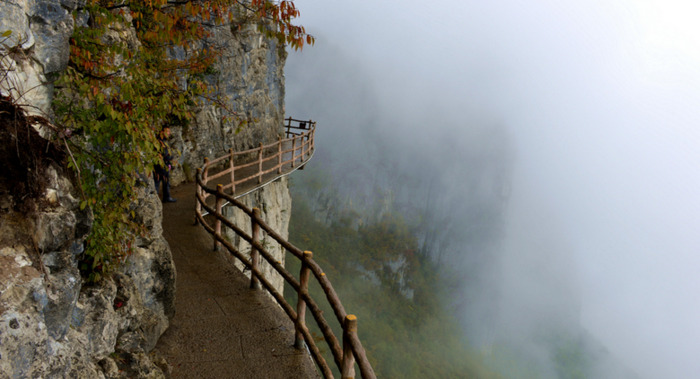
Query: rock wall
{"type": "Point", "coordinates": [52, 324]}
{"type": "Point", "coordinates": [36, 51]}
{"type": "Point", "coordinates": [249, 76]}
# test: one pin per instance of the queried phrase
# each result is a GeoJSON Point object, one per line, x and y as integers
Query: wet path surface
{"type": "Point", "coordinates": [221, 329]}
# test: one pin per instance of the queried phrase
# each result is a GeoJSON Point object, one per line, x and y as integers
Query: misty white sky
{"type": "Point", "coordinates": [603, 102]}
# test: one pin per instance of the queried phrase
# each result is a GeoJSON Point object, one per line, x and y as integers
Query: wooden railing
{"type": "Point", "coordinates": [299, 137]}
{"type": "Point", "coordinates": [255, 168]}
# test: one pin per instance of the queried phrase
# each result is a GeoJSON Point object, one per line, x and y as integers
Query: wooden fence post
{"type": "Point", "coordinates": [301, 304]}
{"type": "Point", "coordinates": [289, 125]}
{"type": "Point", "coordinates": [260, 163]}
{"type": "Point", "coordinates": [233, 170]}
{"type": "Point", "coordinates": [313, 141]}
{"type": "Point", "coordinates": [303, 151]}
{"type": "Point", "coordinates": [310, 133]}
{"type": "Point", "coordinates": [197, 204]}
{"type": "Point", "coordinates": [347, 370]}
{"type": "Point", "coordinates": [219, 205]}
{"type": "Point", "coordinates": [294, 149]}
{"type": "Point", "coordinates": [279, 155]}
{"type": "Point", "coordinates": [205, 178]}
{"type": "Point", "coordinates": [206, 171]}
{"type": "Point", "coordinates": [254, 255]}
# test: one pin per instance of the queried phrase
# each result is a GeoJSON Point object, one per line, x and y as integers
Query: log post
{"type": "Point", "coordinates": [233, 170]}
{"type": "Point", "coordinates": [279, 155]}
{"type": "Point", "coordinates": [260, 163]}
{"type": "Point", "coordinates": [294, 149]}
{"type": "Point", "coordinates": [289, 125]}
{"type": "Point", "coordinates": [205, 178]}
{"type": "Point", "coordinates": [304, 143]}
{"type": "Point", "coordinates": [197, 204]}
{"type": "Point", "coordinates": [311, 130]}
{"type": "Point", "coordinates": [219, 205]}
{"type": "Point", "coordinates": [206, 171]}
{"type": "Point", "coordinates": [301, 303]}
{"type": "Point", "coordinates": [313, 141]}
{"type": "Point", "coordinates": [347, 370]}
{"type": "Point", "coordinates": [254, 255]}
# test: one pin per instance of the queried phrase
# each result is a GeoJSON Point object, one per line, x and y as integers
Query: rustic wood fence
{"type": "Point", "coordinates": [263, 165]}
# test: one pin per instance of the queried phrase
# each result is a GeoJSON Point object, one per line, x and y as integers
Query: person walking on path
{"type": "Point", "coordinates": [162, 173]}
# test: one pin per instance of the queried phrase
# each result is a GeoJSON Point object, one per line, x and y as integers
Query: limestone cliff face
{"type": "Point", "coordinates": [249, 76]}
{"type": "Point", "coordinates": [249, 79]}
{"type": "Point", "coordinates": [38, 49]}
{"type": "Point", "coordinates": [51, 323]}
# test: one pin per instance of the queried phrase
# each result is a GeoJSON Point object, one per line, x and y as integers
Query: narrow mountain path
{"type": "Point", "coordinates": [221, 329]}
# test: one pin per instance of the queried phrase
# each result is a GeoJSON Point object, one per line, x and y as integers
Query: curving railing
{"type": "Point", "coordinates": [245, 171]}
{"type": "Point", "coordinates": [282, 158]}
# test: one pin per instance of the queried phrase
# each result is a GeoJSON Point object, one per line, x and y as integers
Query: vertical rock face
{"type": "Point", "coordinates": [249, 76]}
{"type": "Point", "coordinates": [51, 323]}
{"type": "Point", "coordinates": [36, 49]}
{"type": "Point", "coordinates": [249, 79]}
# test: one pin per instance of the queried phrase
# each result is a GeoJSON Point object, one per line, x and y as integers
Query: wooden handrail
{"type": "Point", "coordinates": [278, 158]}
{"type": "Point", "coordinates": [279, 161]}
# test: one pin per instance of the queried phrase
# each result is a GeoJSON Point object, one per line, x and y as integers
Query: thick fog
{"type": "Point", "coordinates": [600, 101]}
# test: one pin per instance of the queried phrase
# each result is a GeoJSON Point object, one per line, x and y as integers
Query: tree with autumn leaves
{"type": "Point", "coordinates": [124, 83]}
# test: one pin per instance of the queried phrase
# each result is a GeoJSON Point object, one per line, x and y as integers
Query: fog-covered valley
{"type": "Point", "coordinates": [543, 152]}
